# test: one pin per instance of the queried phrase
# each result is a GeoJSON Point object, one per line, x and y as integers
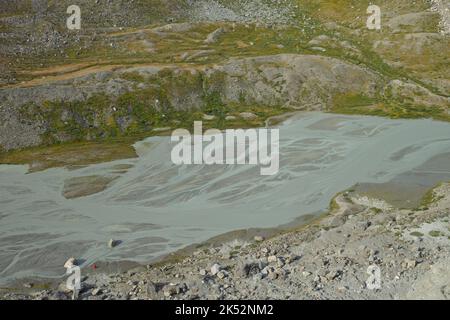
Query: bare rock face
{"type": "Point", "coordinates": [306, 82]}
{"type": "Point", "coordinates": [414, 21]}
{"type": "Point", "coordinates": [302, 82]}
{"type": "Point", "coordinates": [419, 95]}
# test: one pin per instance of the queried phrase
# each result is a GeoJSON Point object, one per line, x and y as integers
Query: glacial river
{"type": "Point", "coordinates": [156, 207]}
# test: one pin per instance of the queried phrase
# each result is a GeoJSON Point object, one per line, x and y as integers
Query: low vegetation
{"type": "Point", "coordinates": [340, 25]}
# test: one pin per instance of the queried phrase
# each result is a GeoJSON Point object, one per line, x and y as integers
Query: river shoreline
{"type": "Point", "coordinates": [123, 266]}
{"type": "Point", "coordinates": [246, 236]}
{"type": "Point", "coordinates": [320, 260]}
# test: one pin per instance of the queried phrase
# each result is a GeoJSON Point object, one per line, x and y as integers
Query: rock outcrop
{"type": "Point", "coordinates": [90, 105]}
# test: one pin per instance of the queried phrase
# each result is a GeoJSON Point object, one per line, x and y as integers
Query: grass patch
{"type": "Point", "coordinates": [430, 197]}
{"type": "Point", "coordinates": [417, 234]}
{"type": "Point", "coordinates": [334, 206]}
{"type": "Point", "coordinates": [435, 233]}
{"type": "Point", "coordinates": [70, 154]}
{"type": "Point", "coordinates": [356, 104]}
{"type": "Point", "coordinates": [350, 101]}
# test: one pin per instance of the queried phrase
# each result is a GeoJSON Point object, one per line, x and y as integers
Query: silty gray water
{"type": "Point", "coordinates": [156, 207]}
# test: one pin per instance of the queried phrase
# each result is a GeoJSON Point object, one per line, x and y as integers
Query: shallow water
{"type": "Point", "coordinates": [407, 189]}
{"type": "Point", "coordinates": [156, 207]}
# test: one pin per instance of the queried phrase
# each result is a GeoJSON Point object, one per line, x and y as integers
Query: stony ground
{"type": "Point", "coordinates": [328, 259]}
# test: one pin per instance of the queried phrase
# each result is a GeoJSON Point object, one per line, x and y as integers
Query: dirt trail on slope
{"type": "Point", "coordinates": [70, 72]}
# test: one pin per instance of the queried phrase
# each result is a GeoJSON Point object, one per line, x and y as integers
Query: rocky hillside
{"type": "Point", "coordinates": [143, 65]}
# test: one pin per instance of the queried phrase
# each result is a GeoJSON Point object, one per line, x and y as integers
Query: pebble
{"type": "Point", "coordinates": [259, 238]}
{"type": "Point", "coordinates": [170, 290]}
{"type": "Point", "coordinates": [112, 243]}
{"type": "Point", "coordinates": [410, 264]}
{"type": "Point", "coordinates": [70, 263]}
{"type": "Point", "coordinates": [280, 262]}
{"type": "Point", "coordinates": [273, 276]}
{"type": "Point", "coordinates": [215, 269]}
{"type": "Point", "coordinates": [96, 291]}
{"type": "Point", "coordinates": [151, 289]}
